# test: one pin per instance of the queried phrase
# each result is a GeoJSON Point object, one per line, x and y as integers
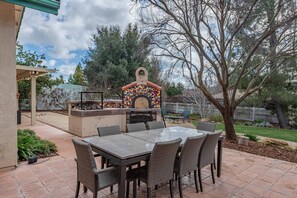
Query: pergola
{"type": "Point", "coordinates": [27, 73]}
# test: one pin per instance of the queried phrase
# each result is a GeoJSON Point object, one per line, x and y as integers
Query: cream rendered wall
{"type": "Point", "coordinates": [8, 109]}
{"type": "Point", "coordinates": [87, 126]}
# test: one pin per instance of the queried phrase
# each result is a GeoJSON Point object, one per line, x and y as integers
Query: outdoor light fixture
{"type": "Point", "coordinates": [34, 72]}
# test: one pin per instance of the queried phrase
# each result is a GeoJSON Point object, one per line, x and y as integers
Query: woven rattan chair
{"type": "Point", "coordinates": [206, 154]}
{"type": "Point", "coordinates": [135, 127]}
{"type": "Point", "coordinates": [206, 126]}
{"type": "Point", "coordinates": [155, 125]}
{"type": "Point", "coordinates": [109, 130]}
{"type": "Point", "coordinates": [87, 172]}
{"type": "Point", "coordinates": [105, 131]}
{"type": "Point", "coordinates": [188, 159]}
{"type": "Point", "coordinates": [159, 169]}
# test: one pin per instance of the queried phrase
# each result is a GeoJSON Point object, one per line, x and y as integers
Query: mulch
{"type": "Point", "coordinates": [263, 150]}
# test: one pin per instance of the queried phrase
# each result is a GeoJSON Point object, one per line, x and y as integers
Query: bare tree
{"type": "Point", "coordinates": [202, 105]}
{"type": "Point", "coordinates": [203, 35]}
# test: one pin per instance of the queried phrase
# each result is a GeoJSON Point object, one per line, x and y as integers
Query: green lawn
{"type": "Point", "coordinates": [282, 134]}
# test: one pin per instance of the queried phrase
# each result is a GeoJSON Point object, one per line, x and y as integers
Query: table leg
{"type": "Point", "coordinates": [122, 182]}
{"type": "Point", "coordinates": [219, 158]}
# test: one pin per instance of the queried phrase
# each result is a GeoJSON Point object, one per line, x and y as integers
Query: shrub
{"type": "Point", "coordinates": [29, 144]}
{"type": "Point", "coordinates": [216, 118]}
{"type": "Point", "coordinates": [259, 121]}
{"type": "Point", "coordinates": [195, 116]}
{"type": "Point", "coordinates": [252, 137]}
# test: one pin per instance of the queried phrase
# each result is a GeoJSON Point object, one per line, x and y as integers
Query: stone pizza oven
{"type": "Point", "coordinates": [141, 102]}
{"type": "Point", "coordinates": [141, 94]}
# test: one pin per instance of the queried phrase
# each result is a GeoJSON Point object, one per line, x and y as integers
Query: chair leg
{"type": "Point", "coordinates": [149, 192]}
{"type": "Point", "coordinates": [214, 162]}
{"type": "Point", "coordinates": [111, 189]}
{"type": "Point", "coordinates": [103, 159]}
{"type": "Point", "coordinates": [77, 189]}
{"type": "Point", "coordinates": [107, 163]}
{"type": "Point", "coordinates": [180, 187]}
{"type": "Point", "coordinates": [134, 188]}
{"type": "Point", "coordinates": [195, 178]}
{"type": "Point", "coordinates": [127, 189]}
{"type": "Point", "coordinates": [170, 187]}
{"type": "Point", "coordinates": [138, 166]}
{"type": "Point", "coordinates": [200, 180]}
{"type": "Point", "coordinates": [95, 194]}
{"type": "Point", "coordinates": [85, 189]}
{"type": "Point", "coordinates": [212, 175]}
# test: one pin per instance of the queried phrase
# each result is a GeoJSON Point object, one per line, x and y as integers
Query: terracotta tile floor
{"type": "Point", "coordinates": [243, 175]}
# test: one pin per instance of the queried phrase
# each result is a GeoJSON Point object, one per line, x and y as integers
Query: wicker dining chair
{"type": "Point", "coordinates": [87, 172]}
{"type": "Point", "coordinates": [105, 131]}
{"type": "Point", "coordinates": [135, 127]}
{"type": "Point", "coordinates": [159, 169]}
{"type": "Point", "coordinates": [206, 126]}
{"type": "Point", "coordinates": [109, 130]}
{"type": "Point", "coordinates": [188, 159]}
{"type": "Point", "coordinates": [156, 125]}
{"type": "Point", "coordinates": [206, 155]}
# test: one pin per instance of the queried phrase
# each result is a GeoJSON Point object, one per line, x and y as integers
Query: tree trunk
{"type": "Point", "coordinates": [229, 127]}
{"type": "Point", "coordinates": [281, 116]}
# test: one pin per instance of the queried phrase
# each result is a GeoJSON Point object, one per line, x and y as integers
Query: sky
{"type": "Point", "coordinates": [64, 39]}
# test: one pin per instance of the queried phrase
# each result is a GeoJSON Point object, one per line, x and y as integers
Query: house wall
{"type": "Point", "coordinates": [8, 109]}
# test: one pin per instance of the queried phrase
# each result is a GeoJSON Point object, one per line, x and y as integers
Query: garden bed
{"type": "Point", "coordinates": [257, 148]}
{"type": "Point", "coordinates": [29, 145]}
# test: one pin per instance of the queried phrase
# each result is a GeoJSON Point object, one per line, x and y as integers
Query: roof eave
{"type": "Point", "coordinates": [19, 21]}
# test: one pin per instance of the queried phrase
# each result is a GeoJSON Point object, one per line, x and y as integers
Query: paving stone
{"type": "Point", "coordinates": [243, 175]}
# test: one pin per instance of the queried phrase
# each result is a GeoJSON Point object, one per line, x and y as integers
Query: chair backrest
{"type": "Point", "coordinates": [156, 125]}
{"type": "Point", "coordinates": [161, 162]}
{"type": "Point", "coordinates": [206, 126]}
{"type": "Point", "coordinates": [188, 159]}
{"type": "Point", "coordinates": [163, 111]}
{"type": "Point", "coordinates": [186, 113]}
{"type": "Point", "coordinates": [135, 127]}
{"type": "Point", "coordinates": [206, 155]}
{"type": "Point", "coordinates": [85, 163]}
{"type": "Point", "coordinates": [109, 130]}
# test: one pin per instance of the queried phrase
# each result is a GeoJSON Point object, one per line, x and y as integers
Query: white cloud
{"type": "Point", "coordinates": [72, 29]}
{"type": "Point", "coordinates": [67, 69]}
{"type": "Point", "coordinates": [50, 64]}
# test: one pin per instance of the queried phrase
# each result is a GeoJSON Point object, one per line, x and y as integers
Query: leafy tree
{"type": "Point", "coordinates": [78, 77]}
{"type": "Point", "coordinates": [29, 58]}
{"type": "Point", "coordinates": [201, 37]}
{"type": "Point", "coordinates": [70, 79]}
{"type": "Point", "coordinates": [278, 96]}
{"type": "Point", "coordinates": [113, 60]}
{"type": "Point", "coordinates": [173, 89]}
{"type": "Point", "coordinates": [276, 93]}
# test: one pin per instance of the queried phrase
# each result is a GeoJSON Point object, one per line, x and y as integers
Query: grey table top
{"type": "Point", "coordinates": [121, 146]}
{"type": "Point", "coordinates": [166, 134]}
{"type": "Point", "coordinates": [129, 145]}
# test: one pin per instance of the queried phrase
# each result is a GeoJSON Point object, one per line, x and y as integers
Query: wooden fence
{"type": "Point", "coordinates": [241, 113]}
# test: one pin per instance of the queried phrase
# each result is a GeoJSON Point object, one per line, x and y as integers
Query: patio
{"type": "Point", "coordinates": [243, 174]}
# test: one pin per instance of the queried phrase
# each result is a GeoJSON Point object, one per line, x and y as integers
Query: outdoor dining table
{"type": "Point", "coordinates": [128, 148]}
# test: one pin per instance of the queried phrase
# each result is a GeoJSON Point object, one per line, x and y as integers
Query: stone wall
{"type": "Point", "coordinates": [57, 97]}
